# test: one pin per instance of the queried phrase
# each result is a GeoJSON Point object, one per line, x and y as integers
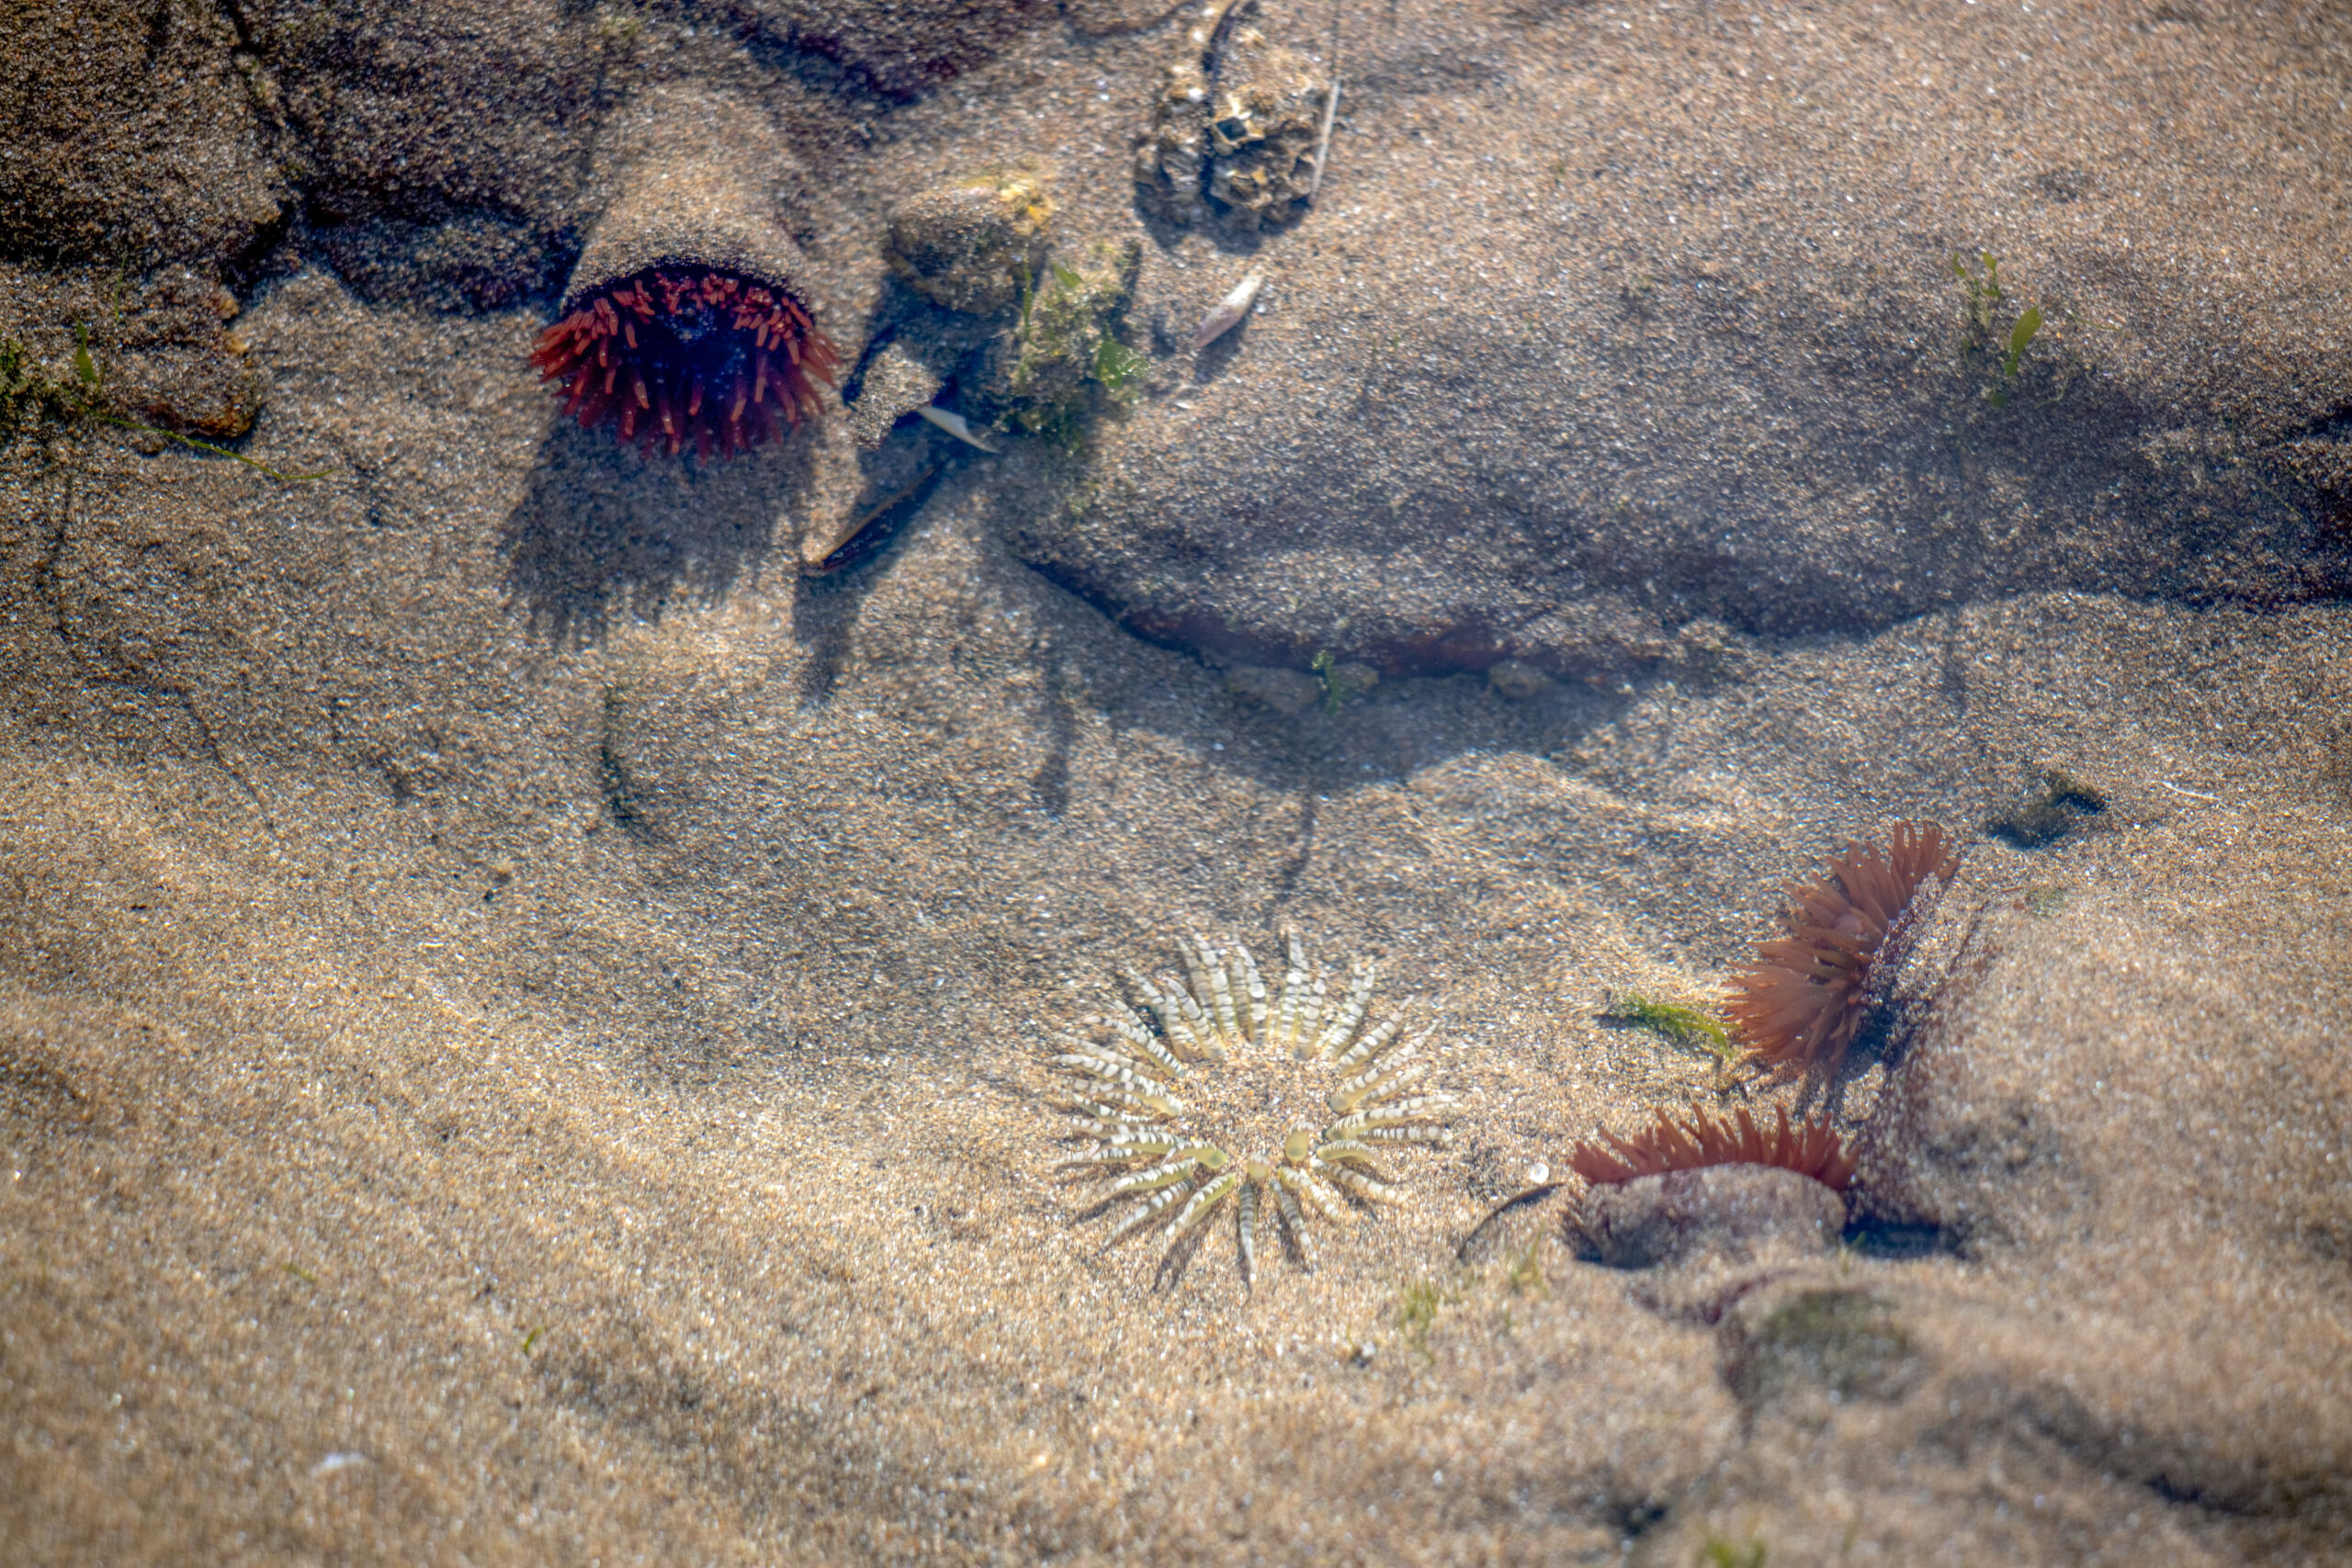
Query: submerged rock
{"type": "Point", "coordinates": [1551, 400]}
{"type": "Point", "coordinates": [1288, 692]}
{"type": "Point", "coordinates": [1723, 1211]}
{"type": "Point", "coordinates": [894, 384]}
{"type": "Point", "coordinates": [974, 245]}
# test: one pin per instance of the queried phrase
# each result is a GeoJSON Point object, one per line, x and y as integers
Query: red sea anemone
{"type": "Point", "coordinates": [1801, 1006]}
{"type": "Point", "coordinates": [1698, 1140]}
{"type": "Point", "coordinates": [690, 319]}
{"type": "Point", "coordinates": [685, 354]}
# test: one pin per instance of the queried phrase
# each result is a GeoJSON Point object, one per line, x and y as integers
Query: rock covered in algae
{"type": "Point", "coordinates": [1171, 164]}
{"type": "Point", "coordinates": [1236, 124]}
{"type": "Point", "coordinates": [1267, 113]}
{"type": "Point", "coordinates": [1043, 374]}
{"type": "Point", "coordinates": [1288, 692]}
{"type": "Point", "coordinates": [972, 245]}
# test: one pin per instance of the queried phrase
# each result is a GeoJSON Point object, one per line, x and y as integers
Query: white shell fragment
{"type": "Point", "coordinates": [1229, 312]}
{"type": "Point", "coordinates": [1323, 140]}
{"type": "Point", "coordinates": [955, 424]}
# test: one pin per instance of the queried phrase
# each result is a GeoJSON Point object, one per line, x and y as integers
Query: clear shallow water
{"type": "Point", "coordinates": [585, 1060]}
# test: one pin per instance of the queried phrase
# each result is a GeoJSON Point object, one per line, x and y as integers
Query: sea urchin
{"type": "Point", "coordinates": [1802, 1003]}
{"type": "Point", "coordinates": [1296, 1101]}
{"type": "Point", "coordinates": [687, 354]}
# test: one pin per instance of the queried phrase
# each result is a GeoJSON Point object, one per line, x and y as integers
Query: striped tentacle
{"type": "Point", "coordinates": [1415, 1107]}
{"type": "Point", "coordinates": [1177, 1168]}
{"type": "Point", "coordinates": [1349, 1016]}
{"type": "Point", "coordinates": [1250, 992]}
{"type": "Point", "coordinates": [1132, 1085]}
{"type": "Point", "coordinates": [1318, 1197]}
{"type": "Point", "coordinates": [1204, 1204]}
{"type": "Point", "coordinates": [1362, 1184]}
{"type": "Point", "coordinates": [1248, 1224]}
{"type": "Point", "coordinates": [1375, 1040]}
{"type": "Point", "coordinates": [1180, 1016]}
{"type": "Point", "coordinates": [1144, 1043]}
{"type": "Point", "coordinates": [1219, 998]}
{"type": "Point", "coordinates": [1381, 1080]}
{"type": "Point", "coordinates": [1294, 1221]}
{"type": "Point", "coordinates": [1150, 1209]}
{"type": "Point", "coordinates": [1127, 1106]}
{"type": "Point", "coordinates": [1419, 1133]}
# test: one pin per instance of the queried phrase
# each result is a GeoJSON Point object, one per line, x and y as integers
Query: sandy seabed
{"type": "Point", "coordinates": [526, 1015]}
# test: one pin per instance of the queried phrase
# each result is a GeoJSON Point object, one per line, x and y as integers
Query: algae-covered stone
{"type": "Point", "coordinates": [972, 245]}
{"type": "Point", "coordinates": [1173, 155]}
{"type": "Point", "coordinates": [1066, 343]}
{"type": "Point", "coordinates": [1517, 679]}
{"type": "Point", "coordinates": [1288, 692]}
{"type": "Point", "coordinates": [1347, 679]}
{"type": "Point", "coordinates": [1266, 110]}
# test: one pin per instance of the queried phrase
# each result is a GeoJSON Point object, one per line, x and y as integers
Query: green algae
{"type": "Point", "coordinates": [1720, 1552]}
{"type": "Point", "coordinates": [1679, 1025]}
{"type": "Point", "coordinates": [1066, 354]}
{"type": "Point", "coordinates": [32, 400]}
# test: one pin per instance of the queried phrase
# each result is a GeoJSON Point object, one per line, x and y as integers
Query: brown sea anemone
{"type": "Point", "coordinates": [686, 354]}
{"type": "Point", "coordinates": [1698, 1140]}
{"type": "Point", "coordinates": [1807, 997]}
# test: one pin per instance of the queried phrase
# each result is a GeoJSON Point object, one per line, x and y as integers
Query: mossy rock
{"type": "Point", "coordinates": [973, 245]}
{"type": "Point", "coordinates": [1066, 351]}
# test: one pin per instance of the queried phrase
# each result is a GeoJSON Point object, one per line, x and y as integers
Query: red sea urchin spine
{"type": "Point", "coordinates": [1698, 1140]}
{"type": "Point", "coordinates": [679, 354]}
{"type": "Point", "coordinates": [1802, 1003]}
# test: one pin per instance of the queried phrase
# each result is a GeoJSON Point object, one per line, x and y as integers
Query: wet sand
{"type": "Point", "coordinates": [524, 1015]}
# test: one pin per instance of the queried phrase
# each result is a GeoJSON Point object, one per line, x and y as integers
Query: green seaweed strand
{"type": "Point", "coordinates": [19, 384]}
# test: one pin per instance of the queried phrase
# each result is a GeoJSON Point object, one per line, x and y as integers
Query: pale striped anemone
{"type": "Point", "coordinates": [1198, 1089]}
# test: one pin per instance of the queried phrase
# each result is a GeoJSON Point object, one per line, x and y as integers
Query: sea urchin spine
{"type": "Point", "coordinates": [1806, 999]}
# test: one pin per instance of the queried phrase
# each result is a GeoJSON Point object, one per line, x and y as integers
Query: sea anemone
{"type": "Point", "coordinates": [1697, 1140]}
{"type": "Point", "coordinates": [1296, 1101]}
{"type": "Point", "coordinates": [688, 319]}
{"type": "Point", "coordinates": [1708, 1185]}
{"type": "Point", "coordinates": [1807, 997]}
{"type": "Point", "coordinates": [685, 355]}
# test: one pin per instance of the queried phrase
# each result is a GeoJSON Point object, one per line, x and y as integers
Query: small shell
{"type": "Point", "coordinates": [955, 425]}
{"type": "Point", "coordinates": [1229, 312]}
